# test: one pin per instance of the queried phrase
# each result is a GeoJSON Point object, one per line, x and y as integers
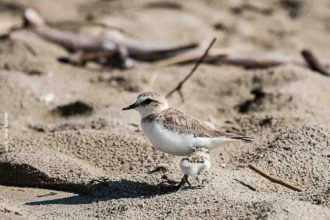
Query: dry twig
{"type": "Point", "coordinates": [314, 63]}
{"type": "Point", "coordinates": [179, 86]}
{"type": "Point", "coordinates": [274, 180]}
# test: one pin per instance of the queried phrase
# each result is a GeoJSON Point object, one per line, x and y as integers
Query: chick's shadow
{"type": "Point", "coordinates": [123, 189]}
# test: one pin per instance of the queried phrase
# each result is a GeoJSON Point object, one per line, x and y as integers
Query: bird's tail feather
{"type": "Point", "coordinates": [217, 142]}
{"type": "Point", "coordinates": [242, 138]}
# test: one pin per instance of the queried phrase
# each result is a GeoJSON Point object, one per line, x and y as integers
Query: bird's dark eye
{"type": "Point", "coordinates": [147, 101]}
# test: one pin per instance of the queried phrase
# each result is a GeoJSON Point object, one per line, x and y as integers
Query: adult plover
{"type": "Point", "coordinates": [174, 132]}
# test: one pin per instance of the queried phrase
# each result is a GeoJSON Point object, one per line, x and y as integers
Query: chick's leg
{"type": "Point", "coordinates": [183, 182]}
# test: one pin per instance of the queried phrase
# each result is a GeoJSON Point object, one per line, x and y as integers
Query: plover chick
{"type": "Point", "coordinates": [194, 165]}
{"type": "Point", "coordinates": [176, 133]}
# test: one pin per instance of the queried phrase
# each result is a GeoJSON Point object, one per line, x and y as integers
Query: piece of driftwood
{"type": "Point", "coordinates": [73, 24]}
{"type": "Point", "coordinates": [274, 180]}
{"type": "Point", "coordinates": [179, 86]}
{"type": "Point", "coordinates": [6, 35]}
{"type": "Point", "coordinates": [228, 57]}
{"type": "Point", "coordinates": [103, 46]}
{"type": "Point", "coordinates": [250, 62]}
{"type": "Point", "coordinates": [114, 49]}
{"type": "Point", "coordinates": [212, 57]}
{"type": "Point", "coordinates": [314, 63]}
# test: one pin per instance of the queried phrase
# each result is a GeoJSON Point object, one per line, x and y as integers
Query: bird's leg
{"type": "Point", "coordinates": [187, 181]}
{"type": "Point", "coordinates": [183, 182]}
{"type": "Point", "coordinates": [198, 179]}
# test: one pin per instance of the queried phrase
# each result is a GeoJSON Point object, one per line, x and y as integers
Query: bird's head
{"type": "Point", "coordinates": [148, 103]}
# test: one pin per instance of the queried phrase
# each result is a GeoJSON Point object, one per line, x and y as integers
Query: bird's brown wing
{"type": "Point", "coordinates": [185, 124]}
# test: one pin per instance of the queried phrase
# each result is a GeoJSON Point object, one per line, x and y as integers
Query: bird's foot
{"type": "Point", "coordinates": [167, 184]}
{"type": "Point", "coordinates": [170, 185]}
{"type": "Point", "coordinates": [159, 168]}
{"type": "Point", "coordinates": [173, 185]}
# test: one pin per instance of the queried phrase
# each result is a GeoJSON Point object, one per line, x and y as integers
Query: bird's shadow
{"type": "Point", "coordinates": [123, 189]}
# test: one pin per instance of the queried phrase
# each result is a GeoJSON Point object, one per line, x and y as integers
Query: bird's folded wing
{"type": "Point", "coordinates": [185, 124]}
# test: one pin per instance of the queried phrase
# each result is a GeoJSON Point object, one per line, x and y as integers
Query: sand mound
{"type": "Point", "coordinates": [262, 126]}
{"type": "Point", "coordinates": [20, 56]}
{"type": "Point", "coordinates": [118, 153]}
{"type": "Point", "coordinates": [131, 81]}
{"type": "Point", "coordinates": [317, 197]}
{"type": "Point", "coordinates": [9, 211]}
{"type": "Point", "coordinates": [266, 101]}
{"type": "Point", "coordinates": [298, 155]}
{"type": "Point", "coordinates": [22, 101]}
{"type": "Point", "coordinates": [297, 210]}
{"type": "Point", "coordinates": [279, 77]}
{"type": "Point", "coordinates": [283, 89]}
{"type": "Point", "coordinates": [97, 124]}
{"type": "Point", "coordinates": [225, 196]}
{"type": "Point", "coordinates": [41, 167]}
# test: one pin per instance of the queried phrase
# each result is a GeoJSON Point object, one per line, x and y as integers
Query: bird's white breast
{"type": "Point", "coordinates": [172, 142]}
{"type": "Point", "coordinates": [166, 140]}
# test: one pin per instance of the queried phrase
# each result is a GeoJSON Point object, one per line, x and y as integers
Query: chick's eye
{"type": "Point", "coordinates": [147, 101]}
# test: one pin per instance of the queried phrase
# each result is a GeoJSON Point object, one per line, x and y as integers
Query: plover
{"type": "Point", "coordinates": [171, 131]}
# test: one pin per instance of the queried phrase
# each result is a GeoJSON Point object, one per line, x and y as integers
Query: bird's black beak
{"type": "Point", "coordinates": [134, 105]}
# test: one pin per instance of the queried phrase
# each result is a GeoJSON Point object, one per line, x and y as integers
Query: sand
{"type": "Point", "coordinates": [53, 158]}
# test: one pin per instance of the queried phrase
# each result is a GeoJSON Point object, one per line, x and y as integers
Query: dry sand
{"type": "Point", "coordinates": [52, 159]}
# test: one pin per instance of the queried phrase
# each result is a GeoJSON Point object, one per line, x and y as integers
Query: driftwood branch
{"type": "Point", "coordinates": [179, 86]}
{"type": "Point", "coordinates": [212, 57]}
{"type": "Point", "coordinates": [111, 47]}
{"type": "Point", "coordinates": [232, 58]}
{"type": "Point", "coordinates": [68, 24]}
{"type": "Point", "coordinates": [249, 62]}
{"type": "Point", "coordinates": [114, 49]}
{"type": "Point", "coordinates": [314, 63]}
{"type": "Point", "coordinates": [274, 180]}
